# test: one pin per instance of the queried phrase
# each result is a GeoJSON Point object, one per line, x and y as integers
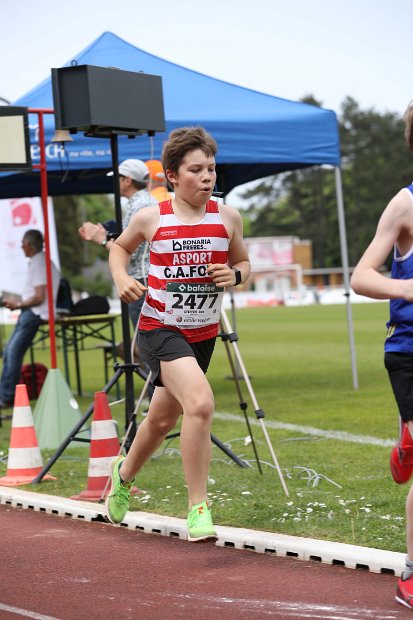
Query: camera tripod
{"type": "Point", "coordinates": [229, 338]}
{"type": "Point", "coordinates": [126, 369]}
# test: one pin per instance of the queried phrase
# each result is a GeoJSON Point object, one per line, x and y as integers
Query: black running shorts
{"type": "Point", "coordinates": [400, 370]}
{"type": "Point", "coordinates": [165, 345]}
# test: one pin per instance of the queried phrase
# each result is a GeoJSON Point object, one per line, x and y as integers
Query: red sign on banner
{"type": "Point", "coordinates": [22, 213]}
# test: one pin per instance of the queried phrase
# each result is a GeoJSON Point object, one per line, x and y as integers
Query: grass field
{"type": "Point", "coordinates": [332, 441]}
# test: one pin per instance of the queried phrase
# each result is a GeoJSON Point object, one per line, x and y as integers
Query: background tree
{"type": "Point", "coordinates": [376, 164]}
{"type": "Point", "coordinates": [302, 203]}
{"type": "Point", "coordinates": [75, 254]}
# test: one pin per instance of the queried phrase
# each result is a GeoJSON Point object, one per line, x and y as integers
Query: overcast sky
{"type": "Point", "coordinates": [287, 48]}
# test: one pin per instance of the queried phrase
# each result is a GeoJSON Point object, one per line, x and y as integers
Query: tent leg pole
{"type": "Point", "coordinates": [346, 276]}
{"type": "Point", "coordinates": [130, 421]}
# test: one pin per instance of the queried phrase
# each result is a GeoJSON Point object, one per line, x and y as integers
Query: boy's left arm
{"type": "Point", "coordinates": [224, 275]}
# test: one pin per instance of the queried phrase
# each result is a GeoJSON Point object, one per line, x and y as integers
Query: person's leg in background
{"type": "Point", "coordinates": [400, 370]}
{"type": "Point", "coordinates": [399, 367]}
{"type": "Point", "coordinates": [134, 309]}
{"type": "Point", "coordinates": [404, 592]}
{"type": "Point", "coordinates": [20, 341]}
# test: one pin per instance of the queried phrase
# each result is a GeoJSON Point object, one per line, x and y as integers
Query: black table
{"type": "Point", "coordinates": [72, 331]}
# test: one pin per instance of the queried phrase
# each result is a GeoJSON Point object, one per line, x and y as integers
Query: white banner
{"type": "Point", "coordinates": [17, 216]}
{"type": "Point", "coordinates": [269, 251]}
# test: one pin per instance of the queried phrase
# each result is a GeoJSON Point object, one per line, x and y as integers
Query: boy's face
{"type": "Point", "coordinates": [195, 179]}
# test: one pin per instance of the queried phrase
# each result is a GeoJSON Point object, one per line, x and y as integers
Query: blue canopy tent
{"type": "Point", "coordinates": [257, 134]}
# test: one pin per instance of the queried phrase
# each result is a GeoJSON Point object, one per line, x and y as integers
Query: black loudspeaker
{"type": "Point", "coordinates": [101, 101]}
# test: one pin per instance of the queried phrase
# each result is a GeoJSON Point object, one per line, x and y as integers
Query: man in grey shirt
{"type": "Point", "coordinates": [133, 184]}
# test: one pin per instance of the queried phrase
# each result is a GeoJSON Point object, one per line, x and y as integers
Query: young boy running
{"type": "Point", "coordinates": [196, 250]}
{"type": "Point", "coordinates": [395, 232]}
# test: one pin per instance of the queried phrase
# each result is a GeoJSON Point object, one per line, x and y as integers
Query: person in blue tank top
{"type": "Point", "coordinates": [395, 233]}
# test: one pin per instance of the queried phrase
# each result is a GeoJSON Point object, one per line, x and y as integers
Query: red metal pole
{"type": "Point", "coordinates": [44, 196]}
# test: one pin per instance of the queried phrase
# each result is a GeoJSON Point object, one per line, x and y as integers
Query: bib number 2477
{"type": "Point", "coordinates": [192, 304]}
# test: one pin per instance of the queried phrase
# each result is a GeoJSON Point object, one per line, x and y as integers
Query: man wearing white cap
{"type": "Point", "coordinates": [133, 184]}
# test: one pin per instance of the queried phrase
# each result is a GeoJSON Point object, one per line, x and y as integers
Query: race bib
{"type": "Point", "coordinates": [192, 305]}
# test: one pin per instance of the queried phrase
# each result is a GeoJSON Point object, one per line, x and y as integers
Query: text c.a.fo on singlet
{"type": "Point", "coordinates": [400, 326]}
{"type": "Point", "coordinates": [181, 295]}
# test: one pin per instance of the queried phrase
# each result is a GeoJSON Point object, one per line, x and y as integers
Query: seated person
{"type": "Point", "coordinates": [34, 308]}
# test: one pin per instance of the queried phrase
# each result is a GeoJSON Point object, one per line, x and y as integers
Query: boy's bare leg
{"type": "Point", "coordinates": [185, 380]}
{"type": "Point", "coordinates": [409, 512]}
{"type": "Point", "coordinates": [163, 414]}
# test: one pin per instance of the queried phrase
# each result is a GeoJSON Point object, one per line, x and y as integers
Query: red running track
{"type": "Point", "coordinates": [59, 568]}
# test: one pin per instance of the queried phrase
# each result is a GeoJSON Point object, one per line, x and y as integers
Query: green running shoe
{"type": "Point", "coordinates": [117, 501]}
{"type": "Point", "coordinates": [200, 526]}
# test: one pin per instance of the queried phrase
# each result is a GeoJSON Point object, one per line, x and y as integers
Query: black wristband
{"type": "Point", "coordinates": [238, 276]}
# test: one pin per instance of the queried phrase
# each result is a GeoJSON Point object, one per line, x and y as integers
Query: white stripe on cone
{"type": "Point", "coordinates": [100, 467]}
{"type": "Point", "coordinates": [31, 457]}
{"type": "Point", "coordinates": [105, 441]}
{"type": "Point", "coordinates": [22, 417]}
{"type": "Point", "coordinates": [104, 429]}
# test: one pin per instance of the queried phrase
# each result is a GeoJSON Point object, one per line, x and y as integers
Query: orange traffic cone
{"type": "Point", "coordinates": [104, 447]}
{"type": "Point", "coordinates": [24, 462]}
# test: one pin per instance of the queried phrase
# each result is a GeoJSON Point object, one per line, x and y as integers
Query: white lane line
{"type": "Point", "coordinates": [310, 430]}
{"type": "Point", "coordinates": [284, 609]}
{"type": "Point", "coordinates": [26, 613]}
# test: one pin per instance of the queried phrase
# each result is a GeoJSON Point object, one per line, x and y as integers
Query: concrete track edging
{"type": "Point", "coordinates": [310, 549]}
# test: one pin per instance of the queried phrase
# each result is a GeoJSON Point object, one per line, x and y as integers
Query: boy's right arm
{"type": "Point", "coordinates": [395, 222]}
{"type": "Point", "coordinates": [140, 229]}
{"type": "Point", "coordinates": [127, 287]}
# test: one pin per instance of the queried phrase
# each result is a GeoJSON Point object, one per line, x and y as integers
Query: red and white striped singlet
{"type": "Point", "coordinates": [179, 255]}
